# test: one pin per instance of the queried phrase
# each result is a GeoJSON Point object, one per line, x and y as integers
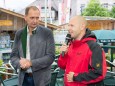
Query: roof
{"type": "Point", "coordinates": [98, 18]}
{"type": "Point", "coordinates": [11, 12]}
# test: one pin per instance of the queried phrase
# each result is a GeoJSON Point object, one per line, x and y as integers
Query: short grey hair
{"type": "Point", "coordinates": [30, 7]}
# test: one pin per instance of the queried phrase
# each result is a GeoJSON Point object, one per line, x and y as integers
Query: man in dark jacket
{"type": "Point", "coordinates": [33, 51]}
{"type": "Point", "coordinates": [84, 60]}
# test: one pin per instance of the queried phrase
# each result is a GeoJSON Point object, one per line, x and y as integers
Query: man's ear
{"type": "Point", "coordinates": [82, 26]}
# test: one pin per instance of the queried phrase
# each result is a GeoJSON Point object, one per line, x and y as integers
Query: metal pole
{"type": "Point", "coordinates": [4, 4]}
{"type": "Point", "coordinates": [45, 13]}
{"type": "Point", "coordinates": [111, 57]}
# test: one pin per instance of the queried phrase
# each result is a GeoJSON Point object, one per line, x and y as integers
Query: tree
{"type": "Point", "coordinates": [94, 8]}
{"type": "Point", "coordinates": [112, 13]}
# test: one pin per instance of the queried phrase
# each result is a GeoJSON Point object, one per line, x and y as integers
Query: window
{"type": "Point", "coordinates": [113, 4]}
{"type": "Point", "coordinates": [105, 5]}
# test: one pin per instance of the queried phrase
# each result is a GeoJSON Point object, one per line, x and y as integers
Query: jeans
{"type": "Point", "coordinates": [28, 81]}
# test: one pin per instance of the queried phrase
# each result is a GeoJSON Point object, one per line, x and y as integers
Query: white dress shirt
{"type": "Point", "coordinates": [28, 49]}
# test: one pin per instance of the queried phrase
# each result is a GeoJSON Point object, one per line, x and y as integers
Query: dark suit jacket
{"type": "Point", "coordinates": [42, 54]}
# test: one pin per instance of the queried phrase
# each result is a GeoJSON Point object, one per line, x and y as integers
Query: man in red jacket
{"type": "Point", "coordinates": [84, 60]}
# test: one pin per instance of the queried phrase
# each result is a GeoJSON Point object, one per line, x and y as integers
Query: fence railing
{"type": "Point", "coordinates": [112, 48]}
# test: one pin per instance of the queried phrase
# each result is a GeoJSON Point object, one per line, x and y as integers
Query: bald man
{"type": "Point", "coordinates": [84, 60]}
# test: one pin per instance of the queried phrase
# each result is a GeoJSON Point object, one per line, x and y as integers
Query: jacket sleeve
{"type": "Point", "coordinates": [97, 66]}
{"type": "Point", "coordinates": [14, 57]}
{"type": "Point", "coordinates": [47, 59]}
{"type": "Point", "coordinates": [62, 61]}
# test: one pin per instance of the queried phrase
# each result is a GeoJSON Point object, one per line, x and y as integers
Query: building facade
{"type": "Point", "coordinates": [77, 7]}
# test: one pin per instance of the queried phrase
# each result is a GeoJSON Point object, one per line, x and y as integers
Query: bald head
{"type": "Point", "coordinates": [79, 20]}
{"type": "Point", "coordinates": [77, 27]}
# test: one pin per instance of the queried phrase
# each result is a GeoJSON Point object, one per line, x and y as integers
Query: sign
{"type": "Point", "coordinates": [6, 23]}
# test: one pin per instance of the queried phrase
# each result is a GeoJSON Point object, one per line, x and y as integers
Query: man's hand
{"type": "Point", "coordinates": [70, 76]}
{"type": "Point", "coordinates": [64, 48]}
{"type": "Point", "coordinates": [25, 63]}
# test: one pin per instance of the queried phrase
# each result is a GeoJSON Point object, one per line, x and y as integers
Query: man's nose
{"type": "Point", "coordinates": [35, 20]}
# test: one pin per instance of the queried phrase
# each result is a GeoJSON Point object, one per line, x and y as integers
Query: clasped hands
{"type": "Point", "coordinates": [25, 63]}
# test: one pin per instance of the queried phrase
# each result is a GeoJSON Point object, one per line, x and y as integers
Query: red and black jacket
{"type": "Point", "coordinates": [86, 59]}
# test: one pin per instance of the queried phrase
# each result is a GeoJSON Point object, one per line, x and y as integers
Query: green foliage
{"type": "Point", "coordinates": [1, 69]}
{"type": "Point", "coordinates": [94, 8]}
{"type": "Point", "coordinates": [57, 50]}
{"type": "Point", "coordinates": [112, 13]}
{"type": "Point", "coordinates": [1, 62]}
{"type": "Point", "coordinates": [108, 56]}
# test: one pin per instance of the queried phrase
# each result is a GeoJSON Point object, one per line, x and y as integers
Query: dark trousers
{"type": "Point", "coordinates": [28, 80]}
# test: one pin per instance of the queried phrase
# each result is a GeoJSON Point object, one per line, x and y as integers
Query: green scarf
{"type": "Point", "coordinates": [24, 40]}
